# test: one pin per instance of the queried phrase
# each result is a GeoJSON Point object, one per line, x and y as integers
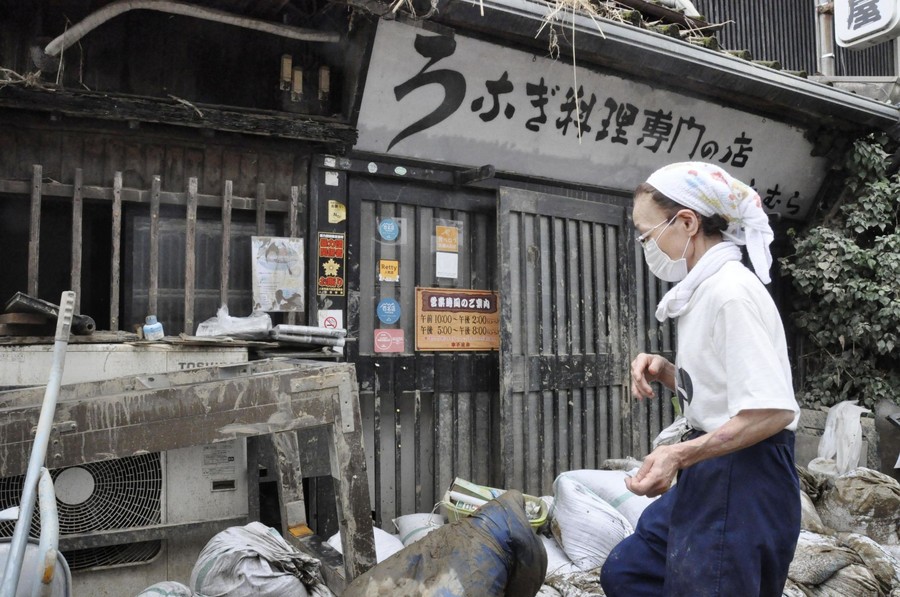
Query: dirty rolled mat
{"type": "Point", "coordinates": [492, 553]}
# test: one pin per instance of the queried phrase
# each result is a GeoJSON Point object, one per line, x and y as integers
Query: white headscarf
{"type": "Point", "coordinates": [709, 190]}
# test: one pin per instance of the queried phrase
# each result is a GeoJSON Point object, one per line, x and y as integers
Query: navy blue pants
{"type": "Point", "coordinates": [728, 528]}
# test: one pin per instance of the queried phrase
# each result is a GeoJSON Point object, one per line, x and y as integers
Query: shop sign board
{"type": "Point", "coordinates": [457, 320]}
{"type": "Point", "coordinates": [463, 101]}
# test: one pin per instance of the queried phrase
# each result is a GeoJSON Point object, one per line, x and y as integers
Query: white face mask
{"type": "Point", "coordinates": [664, 267]}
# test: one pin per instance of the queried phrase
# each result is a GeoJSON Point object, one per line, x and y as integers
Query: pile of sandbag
{"type": "Point", "coordinates": [591, 511]}
{"type": "Point", "coordinates": [851, 535]}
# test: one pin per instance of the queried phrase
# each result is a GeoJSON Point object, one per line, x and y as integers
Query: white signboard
{"type": "Point", "coordinates": [863, 23]}
{"type": "Point", "coordinates": [463, 101]}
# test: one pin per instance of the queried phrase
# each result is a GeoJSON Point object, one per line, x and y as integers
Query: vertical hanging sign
{"type": "Point", "coordinates": [332, 262]}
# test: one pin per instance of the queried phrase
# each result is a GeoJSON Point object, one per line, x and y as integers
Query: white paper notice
{"type": "Point", "coordinates": [331, 319]}
{"type": "Point", "coordinates": [447, 265]}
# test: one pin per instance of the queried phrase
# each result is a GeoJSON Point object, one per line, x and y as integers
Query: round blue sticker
{"type": "Point", "coordinates": [389, 229]}
{"type": "Point", "coordinates": [388, 311]}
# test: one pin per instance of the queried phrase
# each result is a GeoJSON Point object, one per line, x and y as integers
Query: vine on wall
{"type": "Point", "coordinates": [846, 274]}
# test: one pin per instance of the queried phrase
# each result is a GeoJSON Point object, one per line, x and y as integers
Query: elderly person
{"type": "Point", "coordinates": [730, 525]}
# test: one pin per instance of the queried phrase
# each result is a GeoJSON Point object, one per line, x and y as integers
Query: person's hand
{"type": "Point", "coordinates": [647, 368]}
{"type": "Point", "coordinates": [656, 475]}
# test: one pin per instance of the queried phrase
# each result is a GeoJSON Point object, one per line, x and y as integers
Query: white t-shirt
{"type": "Point", "coordinates": [732, 352]}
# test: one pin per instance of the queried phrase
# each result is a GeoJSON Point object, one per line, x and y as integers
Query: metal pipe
{"type": "Point", "coordinates": [49, 542]}
{"type": "Point", "coordinates": [39, 448]}
{"type": "Point", "coordinates": [95, 19]}
{"type": "Point", "coordinates": [825, 14]}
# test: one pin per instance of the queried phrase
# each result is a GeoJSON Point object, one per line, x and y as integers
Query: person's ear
{"type": "Point", "coordinates": [690, 220]}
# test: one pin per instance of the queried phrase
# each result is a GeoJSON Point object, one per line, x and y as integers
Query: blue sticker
{"type": "Point", "coordinates": [389, 229]}
{"type": "Point", "coordinates": [388, 311]}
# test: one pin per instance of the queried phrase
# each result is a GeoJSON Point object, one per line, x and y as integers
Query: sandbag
{"type": "Point", "coordinates": [610, 485]}
{"type": "Point", "coordinates": [491, 553]}
{"type": "Point", "coordinates": [577, 584]}
{"type": "Point", "coordinates": [853, 580]}
{"type": "Point", "coordinates": [863, 501]}
{"type": "Point", "coordinates": [412, 527]}
{"type": "Point", "coordinates": [585, 525]}
{"type": "Point", "coordinates": [386, 544]}
{"type": "Point", "coordinates": [255, 561]}
{"type": "Point", "coordinates": [168, 589]}
{"type": "Point", "coordinates": [557, 560]}
{"type": "Point", "coordinates": [809, 517]}
{"type": "Point", "coordinates": [817, 558]}
{"type": "Point", "coordinates": [883, 565]}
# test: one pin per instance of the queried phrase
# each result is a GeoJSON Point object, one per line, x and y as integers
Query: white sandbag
{"type": "Point", "coordinates": [863, 501]}
{"type": "Point", "coordinates": [412, 527]}
{"type": "Point", "coordinates": [883, 565]}
{"type": "Point", "coordinates": [610, 485]}
{"type": "Point", "coordinates": [853, 580]}
{"type": "Point", "coordinates": [548, 591]}
{"type": "Point", "coordinates": [842, 437]}
{"type": "Point", "coordinates": [809, 517]}
{"type": "Point", "coordinates": [557, 560]}
{"type": "Point", "coordinates": [826, 467]}
{"type": "Point", "coordinates": [255, 561]}
{"type": "Point", "coordinates": [167, 589]}
{"type": "Point", "coordinates": [585, 525]}
{"type": "Point", "coordinates": [386, 544]}
{"type": "Point", "coordinates": [817, 558]}
{"type": "Point", "coordinates": [672, 434]}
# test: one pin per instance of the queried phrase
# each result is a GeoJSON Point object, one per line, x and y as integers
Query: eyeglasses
{"type": "Point", "coordinates": [642, 238]}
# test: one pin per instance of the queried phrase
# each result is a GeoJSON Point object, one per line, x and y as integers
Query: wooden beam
{"type": "Point", "coordinates": [226, 243]}
{"type": "Point", "coordinates": [154, 246]}
{"type": "Point", "coordinates": [116, 268]}
{"type": "Point", "coordinates": [190, 255]}
{"type": "Point", "coordinates": [34, 230]}
{"type": "Point", "coordinates": [77, 208]}
{"type": "Point", "coordinates": [336, 135]}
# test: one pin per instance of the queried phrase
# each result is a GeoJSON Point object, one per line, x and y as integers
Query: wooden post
{"type": "Point", "coordinates": [116, 253]}
{"type": "Point", "coordinates": [293, 211]}
{"type": "Point", "coordinates": [77, 208]}
{"type": "Point", "coordinates": [34, 237]}
{"type": "Point", "coordinates": [190, 256]}
{"type": "Point", "coordinates": [154, 245]}
{"type": "Point", "coordinates": [261, 209]}
{"type": "Point", "coordinates": [226, 243]}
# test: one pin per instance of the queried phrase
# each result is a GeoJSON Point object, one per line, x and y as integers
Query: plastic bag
{"type": "Point", "coordinates": [167, 589]}
{"type": "Point", "coordinates": [386, 544]}
{"type": "Point", "coordinates": [610, 485]}
{"type": "Point", "coordinates": [255, 561]}
{"type": "Point", "coordinates": [256, 326]}
{"type": "Point", "coordinates": [672, 434]}
{"type": "Point", "coordinates": [584, 525]}
{"type": "Point", "coordinates": [842, 438]}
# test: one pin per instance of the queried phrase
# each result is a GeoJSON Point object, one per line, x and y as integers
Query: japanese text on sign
{"type": "Point", "coordinates": [332, 259]}
{"type": "Point", "coordinates": [457, 320]}
{"type": "Point", "coordinates": [604, 130]}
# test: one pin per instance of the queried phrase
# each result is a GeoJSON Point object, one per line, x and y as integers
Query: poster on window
{"type": "Point", "coordinates": [277, 266]}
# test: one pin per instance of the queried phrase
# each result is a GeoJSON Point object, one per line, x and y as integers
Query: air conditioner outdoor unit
{"type": "Point", "coordinates": [188, 485]}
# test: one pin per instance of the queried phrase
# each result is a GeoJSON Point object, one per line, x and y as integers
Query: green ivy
{"type": "Point", "coordinates": [846, 274]}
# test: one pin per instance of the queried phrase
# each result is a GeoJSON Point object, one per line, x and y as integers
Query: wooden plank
{"type": "Point", "coordinates": [110, 106]}
{"type": "Point", "coordinates": [116, 265]}
{"type": "Point", "coordinates": [260, 209]}
{"type": "Point", "coordinates": [25, 318]}
{"type": "Point", "coordinates": [153, 288]}
{"type": "Point", "coordinates": [190, 255]}
{"type": "Point", "coordinates": [225, 267]}
{"type": "Point", "coordinates": [34, 230]}
{"type": "Point", "coordinates": [77, 240]}
{"type": "Point", "coordinates": [293, 230]}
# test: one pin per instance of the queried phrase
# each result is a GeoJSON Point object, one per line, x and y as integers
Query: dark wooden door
{"type": "Point", "coordinates": [564, 403]}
